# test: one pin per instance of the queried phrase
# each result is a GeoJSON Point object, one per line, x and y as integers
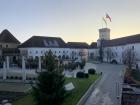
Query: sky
{"type": "Point", "coordinates": [72, 20]}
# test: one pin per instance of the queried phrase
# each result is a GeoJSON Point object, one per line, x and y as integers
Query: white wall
{"type": "Point", "coordinates": [119, 50]}
{"type": "Point", "coordinates": [95, 53]}
{"type": "Point", "coordinates": [70, 52]}
{"type": "Point", "coordinates": [75, 53]}
{"type": "Point", "coordinates": [41, 51]}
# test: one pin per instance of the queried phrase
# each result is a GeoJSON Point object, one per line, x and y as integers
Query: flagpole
{"type": "Point", "coordinates": [106, 24]}
{"type": "Point", "coordinates": [102, 23]}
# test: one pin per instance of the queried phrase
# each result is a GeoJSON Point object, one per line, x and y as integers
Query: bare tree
{"type": "Point", "coordinates": [109, 54]}
{"type": "Point", "coordinates": [101, 54]}
{"type": "Point", "coordinates": [129, 57]}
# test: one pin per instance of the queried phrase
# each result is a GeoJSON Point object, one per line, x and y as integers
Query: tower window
{"type": "Point", "coordinates": [6, 46]}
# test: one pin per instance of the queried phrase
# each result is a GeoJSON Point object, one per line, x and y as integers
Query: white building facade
{"type": "Point", "coordinates": [116, 47]}
{"type": "Point", "coordinates": [38, 46]}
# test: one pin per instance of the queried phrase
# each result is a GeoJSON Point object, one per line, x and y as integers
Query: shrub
{"type": "Point", "coordinates": [80, 74]}
{"type": "Point", "coordinates": [91, 71]}
{"type": "Point", "coordinates": [86, 75]}
{"type": "Point", "coordinates": [34, 78]}
{"type": "Point", "coordinates": [82, 65]}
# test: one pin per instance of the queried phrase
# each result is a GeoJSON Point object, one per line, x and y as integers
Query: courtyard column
{"type": "Point", "coordinates": [23, 69]}
{"type": "Point", "coordinates": [39, 63]}
{"type": "Point", "coordinates": [4, 71]}
{"type": "Point", "coordinates": [7, 62]}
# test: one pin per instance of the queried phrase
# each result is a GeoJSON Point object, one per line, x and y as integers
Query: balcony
{"type": "Point", "coordinates": [10, 51]}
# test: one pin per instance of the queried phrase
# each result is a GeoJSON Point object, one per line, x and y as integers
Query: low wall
{"type": "Point", "coordinates": [89, 92]}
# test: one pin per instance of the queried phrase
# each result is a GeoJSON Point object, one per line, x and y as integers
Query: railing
{"type": "Point", "coordinates": [10, 51]}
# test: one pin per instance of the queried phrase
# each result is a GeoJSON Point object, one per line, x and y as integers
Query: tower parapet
{"type": "Point", "coordinates": [104, 34]}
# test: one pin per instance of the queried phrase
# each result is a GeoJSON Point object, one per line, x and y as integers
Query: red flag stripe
{"type": "Point", "coordinates": [107, 16]}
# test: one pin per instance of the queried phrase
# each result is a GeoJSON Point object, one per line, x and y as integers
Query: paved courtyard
{"type": "Point", "coordinates": [107, 90]}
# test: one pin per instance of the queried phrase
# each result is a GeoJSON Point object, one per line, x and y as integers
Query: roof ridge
{"type": "Point", "coordinates": [7, 37]}
{"type": "Point", "coordinates": [126, 36]}
{"type": "Point", "coordinates": [45, 36]}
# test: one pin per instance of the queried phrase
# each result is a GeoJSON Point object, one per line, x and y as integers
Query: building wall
{"type": "Point", "coordinates": [104, 33]}
{"type": "Point", "coordinates": [93, 54]}
{"type": "Point", "coordinates": [8, 45]}
{"type": "Point", "coordinates": [71, 53]}
{"type": "Point", "coordinates": [136, 49]}
{"type": "Point", "coordinates": [118, 51]}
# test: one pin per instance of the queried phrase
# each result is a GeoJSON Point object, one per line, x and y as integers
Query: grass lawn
{"type": "Point", "coordinates": [136, 75]}
{"type": "Point", "coordinates": [81, 86]}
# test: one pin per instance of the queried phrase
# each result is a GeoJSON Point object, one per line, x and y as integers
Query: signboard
{"type": "Point", "coordinates": [69, 86]}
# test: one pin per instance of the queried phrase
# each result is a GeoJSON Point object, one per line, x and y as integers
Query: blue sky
{"type": "Point", "coordinates": [73, 20]}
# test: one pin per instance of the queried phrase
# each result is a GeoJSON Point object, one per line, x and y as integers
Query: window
{"type": "Point", "coordinates": [80, 53]}
{"type": "Point", "coordinates": [63, 51]}
{"type": "Point", "coordinates": [59, 56]}
{"type": "Point", "coordinates": [59, 51]}
{"type": "Point", "coordinates": [112, 54]}
{"type": "Point", "coordinates": [0, 46]}
{"type": "Point", "coordinates": [36, 57]}
{"type": "Point", "coordinates": [30, 52]}
{"type": "Point", "coordinates": [41, 52]}
{"type": "Point", "coordinates": [132, 47]}
{"type": "Point", "coordinates": [41, 57]}
{"type": "Point", "coordinates": [55, 52]}
{"type": "Point", "coordinates": [30, 57]}
{"type": "Point", "coordinates": [6, 46]}
{"type": "Point", "coordinates": [36, 52]}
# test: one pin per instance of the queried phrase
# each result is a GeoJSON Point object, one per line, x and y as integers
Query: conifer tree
{"type": "Point", "coordinates": [49, 88]}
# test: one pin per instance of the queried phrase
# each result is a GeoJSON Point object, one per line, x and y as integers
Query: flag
{"type": "Point", "coordinates": [107, 16]}
{"type": "Point", "coordinates": [105, 21]}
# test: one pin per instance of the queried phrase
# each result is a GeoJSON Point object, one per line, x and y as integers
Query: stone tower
{"type": "Point", "coordinates": [104, 33]}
